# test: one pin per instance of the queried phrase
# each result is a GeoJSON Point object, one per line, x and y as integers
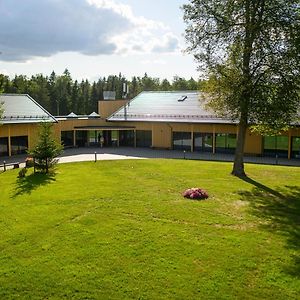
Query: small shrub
{"type": "Point", "coordinates": [22, 173]}
{"type": "Point", "coordinates": [195, 193]}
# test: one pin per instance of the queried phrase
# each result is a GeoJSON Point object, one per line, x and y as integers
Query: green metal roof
{"type": "Point", "coordinates": [21, 108]}
{"type": "Point", "coordinates": [179, 106]}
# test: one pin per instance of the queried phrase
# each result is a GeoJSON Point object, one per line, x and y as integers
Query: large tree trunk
{"type": "Point", "coordinates": [238, 165]}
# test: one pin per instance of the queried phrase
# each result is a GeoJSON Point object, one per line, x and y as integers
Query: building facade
{"type": "Point", "coordinates": [164, 120]}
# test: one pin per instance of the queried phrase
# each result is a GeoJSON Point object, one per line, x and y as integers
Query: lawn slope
{"type": "Point", "coordinates": [122, 230]}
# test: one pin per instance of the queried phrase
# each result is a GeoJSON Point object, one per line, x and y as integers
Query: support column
{"type": "Point", "coordinates": [152, 132]}
{"type": "Point", "coordinates": [290, 145]}
{"type": "Point", "coordinates": [9, 142]}
{"type": "Point", "coordinates": [28, 136]}
{"type": "Point", "coordinates": [214, 139]}
{"type": "Point", "coordinates": [192, 138]}
{"type": "Point", "coordinates": [74, 138]}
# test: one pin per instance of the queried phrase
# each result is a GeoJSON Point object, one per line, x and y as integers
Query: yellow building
{"type": "Point", "coordinates": [168, 120]}
{"type": "Point", "coordinates": [19, 123]}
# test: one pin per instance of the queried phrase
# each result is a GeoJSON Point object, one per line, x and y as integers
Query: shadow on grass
{"type": "Point", "coordinates": [31, 182]}
{"type": "Point", "coordinates": [280, 209]}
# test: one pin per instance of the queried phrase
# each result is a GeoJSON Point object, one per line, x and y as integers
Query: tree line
{"type": "Point", "coordinates": [61, 94]}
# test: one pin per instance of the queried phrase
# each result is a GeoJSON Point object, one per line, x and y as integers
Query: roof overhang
{"type": "Point", "coordinates": [108, 128]}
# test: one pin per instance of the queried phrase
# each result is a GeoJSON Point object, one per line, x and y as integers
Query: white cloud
{"type": "Point", "coordinates": [5, 72]}
{"type": "Point", "coordinates": [168, 43]}
{"type": "Point", "coordinates": [154, 62]}
{"type": "Point", "coordinates": [41, 28]}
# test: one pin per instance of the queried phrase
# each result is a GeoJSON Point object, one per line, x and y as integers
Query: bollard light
{"type": "Point", "coordinates": [184, 154]}
{"type": "Point", "coordinates": [95, 156]}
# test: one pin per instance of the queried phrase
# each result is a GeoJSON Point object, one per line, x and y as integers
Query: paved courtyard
{"type": "Point", "coordinates": [88, 154]}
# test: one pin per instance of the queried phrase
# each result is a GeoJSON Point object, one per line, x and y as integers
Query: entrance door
{"type": "Point", "coordinates": [107, 138]}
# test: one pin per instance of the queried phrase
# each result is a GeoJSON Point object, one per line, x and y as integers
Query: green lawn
{"type": "Point", "coordinates": [122, 230]}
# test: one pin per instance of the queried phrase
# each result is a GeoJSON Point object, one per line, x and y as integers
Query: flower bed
{"type": "Point", "coordinates": [195, 193]}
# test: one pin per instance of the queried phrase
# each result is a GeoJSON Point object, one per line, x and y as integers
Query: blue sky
{"type": "Point", "coordinates": [94, 38]}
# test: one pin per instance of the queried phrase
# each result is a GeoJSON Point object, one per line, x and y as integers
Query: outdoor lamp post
{"type": "Point", "coordinates": [95, 156]}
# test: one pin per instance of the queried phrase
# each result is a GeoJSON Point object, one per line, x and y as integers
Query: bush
{"type": "Point", "coordinates": [22, 173]}
{"type": "Point", "coordinates": [195, 193]}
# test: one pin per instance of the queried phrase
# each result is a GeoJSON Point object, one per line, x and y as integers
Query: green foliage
{"type": "Point", "coordinates": [90, 234]}
{"type": "Point", "coordinates": [22, 173]}
{"type": "Point", "coordinates": [1, 110]}
{"type": "Point", "coordinates": [249, 52]}
{"type": "Point", "coordinates": [46, 149]}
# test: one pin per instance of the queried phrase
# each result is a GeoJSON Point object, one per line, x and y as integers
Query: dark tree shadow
{"type": "Point", "coordinates": [280, 210]}
{"type": "Point", "coordinates": [31, 182]}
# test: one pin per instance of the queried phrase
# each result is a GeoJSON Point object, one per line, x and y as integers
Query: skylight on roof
{"type": "Point", "coordinates": [182, 98]}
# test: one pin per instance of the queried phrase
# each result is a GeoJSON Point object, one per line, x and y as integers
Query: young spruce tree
{"type": "Point", "coordinates": [46, 150]}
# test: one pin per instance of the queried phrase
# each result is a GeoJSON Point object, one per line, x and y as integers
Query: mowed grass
{"type": "Point", "coordinates": [122, 230]}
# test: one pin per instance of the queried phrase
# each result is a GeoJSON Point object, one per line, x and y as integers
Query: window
{"type": "Point", "coordinates": [4, 146]}
{"type": "Point", "coordinates": [225, 142]}
{"type": "Point", "coordinates": [296, 147]}
{"type": "Point", "coordinates": [203, 142]}
{"type": "Point", "coordinates": [126, 138]}
{"type": "Point", "coordinates": [19, 144]}
{"type": "Point", "coordinates": [182, 141]}
{"type": "Point", "coordinates": [67, 138]}
{"type": "Point", "coordinates": [81, 138]}
{"type": "Point", "coordinates": [143, 138]}
{"type": "Point", "coordinates": [276, 146]}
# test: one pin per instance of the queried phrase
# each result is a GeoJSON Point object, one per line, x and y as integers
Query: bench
{"type": "Point", "coordinates": [15, 165]}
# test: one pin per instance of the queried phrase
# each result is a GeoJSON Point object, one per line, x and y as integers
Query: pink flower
{"type": "Point", "coordinates": [195, 193]}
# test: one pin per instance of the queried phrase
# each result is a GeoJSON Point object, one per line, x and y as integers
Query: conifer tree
{"type": "Point", "coordinates": [46, 150]}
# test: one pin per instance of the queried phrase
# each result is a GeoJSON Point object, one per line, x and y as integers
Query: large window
{"type": "Point", "coordinates": [4, 146]}
{"type": "Point", "coordinates": [225, 142]}
{"type": "Point", "coordinates": [143, 138]}
{"type": "Point", "coordinates": [182, 141]}
{"type": "Point", "coordinates": [19, 144]}
{"type": "Point", "coordinates": [126, 138]}
{"type": "Point", "coordinates": [67, 138]}
{"type": "Point", "coordinates": [296, 147]}
{"type": "Point", "coordinates": [203, 142]}
{"type": "Point", "coordinates": [81, 138]}
{"type": "Point", "coordinates": [276, 146]}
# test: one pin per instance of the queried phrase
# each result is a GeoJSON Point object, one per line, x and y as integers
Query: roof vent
{"type": "Point", "coordinates": [72, 115]}
{"type": "Point", "coordinates": [94, 115]}
{"type": "Point", "coordinates": [182, 98]}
